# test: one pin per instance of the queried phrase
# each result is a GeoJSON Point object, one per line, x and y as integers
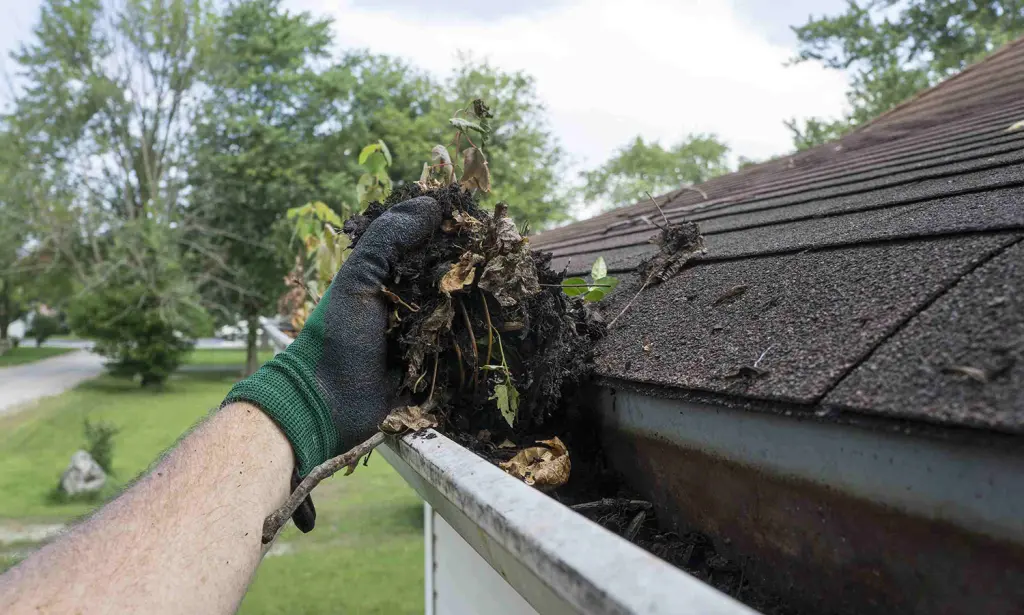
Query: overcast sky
{"type": "Point", "coordinates": [606, 69]}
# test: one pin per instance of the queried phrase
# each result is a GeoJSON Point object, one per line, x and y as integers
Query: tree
{"type": "Point", "coordinates": [109, 96]}
{"type": "Point", "coordinates": [140, 305]}
{"type": "Point", "coordinates": [649, 167]}
{"type": "Point", "coordinates": [255, 151]}
{"type": "Point", "coordinates": [377, 97]}
{"type": "Point", "coordinates": [896, 48]}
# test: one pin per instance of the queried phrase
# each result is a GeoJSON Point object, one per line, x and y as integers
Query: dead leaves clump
{"type": "Point", "coordinates": [544, 467]}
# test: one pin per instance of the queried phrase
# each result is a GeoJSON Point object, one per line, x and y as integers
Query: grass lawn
{"type": "Point", "coordinates": [365, 556]}
{"type": "Point", "coordinates": [228, 357]}
{"type": "Point", "coordinates": [27, 354]}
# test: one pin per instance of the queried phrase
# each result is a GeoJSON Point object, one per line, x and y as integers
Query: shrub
{"type": "Point", "coordinates": [43, 327]}
{"type": "Point", "coordinates": [140, 306]}
{"type": "Point", "coordinates": [99, 443]}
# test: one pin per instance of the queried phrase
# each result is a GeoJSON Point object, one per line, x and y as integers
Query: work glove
{"type": "Point", "coordinates": [330, 389]}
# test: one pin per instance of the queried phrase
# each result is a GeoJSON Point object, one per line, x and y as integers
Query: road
{"type": "Point", "coordinates": [202, 343]}
{"type": "Point", "coordinates": [22, 384]}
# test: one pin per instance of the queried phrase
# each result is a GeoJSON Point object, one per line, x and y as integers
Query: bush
{"type": "Point", "coordinates": [140, 306]}
{"type": "Point", "coordinates": [43, 327]}
{"type": "Point", "coordinates": [99, 443]}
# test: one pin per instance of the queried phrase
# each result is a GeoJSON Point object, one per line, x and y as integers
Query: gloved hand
{"type": "Point", "coordinates": [330, 389]}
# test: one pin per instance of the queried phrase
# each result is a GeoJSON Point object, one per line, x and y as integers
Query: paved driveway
{"type": "Point", "coordinates": [22, 384]}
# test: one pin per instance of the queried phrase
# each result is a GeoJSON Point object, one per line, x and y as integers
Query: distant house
{"type": "Point", "coordinates": [835, 390]}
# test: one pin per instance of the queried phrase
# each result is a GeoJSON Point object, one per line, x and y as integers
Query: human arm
{"type": "Point", "coordinates": [184, 539]}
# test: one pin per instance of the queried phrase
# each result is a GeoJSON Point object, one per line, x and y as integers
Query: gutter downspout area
{"type": "Point", "coordinates": [835, 518]}
{"type": "Point", "coordinates": [554, 558]}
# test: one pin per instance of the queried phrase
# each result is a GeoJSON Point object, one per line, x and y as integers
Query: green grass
{"type": "Point", "coordinates": [365, 556]}
{"type": "Point", "coordinates": [27, 354]}
{"type": "Point", "coordinates": [228, 357]}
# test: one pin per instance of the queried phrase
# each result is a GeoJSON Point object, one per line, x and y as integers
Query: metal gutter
{"type": "Point", "coordinates": [556, 559]}
{"type": "Point", "coordinates": [838, 518]}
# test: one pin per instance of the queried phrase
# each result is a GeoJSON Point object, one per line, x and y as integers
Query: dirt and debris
{"type": "Point", "coordinates": [492, 349]}
{"type": "Point", "coordinates": [482, 331]}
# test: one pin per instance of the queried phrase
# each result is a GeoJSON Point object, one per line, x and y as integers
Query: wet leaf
{"type": "Point", "coordinates": [1016, 126]}
{"type": "Point", "coordinates": [545, 467]}
{"type": "Point", "coordinates": [507, 398]}
{"type": "Point", "coordinates": [599, 269]}
{"type": "Point", "coordinates": [408, 418]}
{"type": "Point", "coordinates": [461, 274]}
{"type": "Point", "coordinates": [575, 286]}
{"type": "Point", "coordinates": [476, 175]}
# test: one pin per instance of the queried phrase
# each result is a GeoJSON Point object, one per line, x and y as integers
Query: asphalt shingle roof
{"type": "Point", "coordinates": [870, 269]}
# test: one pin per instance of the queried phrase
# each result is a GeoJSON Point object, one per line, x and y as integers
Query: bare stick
{"type": "Point", "coordinates": [490, 327]}
{"type": "Point", "coordinates": [635, 525]}
{"type": "Point", "coordinates": [273, 523]}
{"type": "Point", "coordinates": [472, 341]}
{"type": "Point", "coordinates": [642, 289]}
{"type": "Point", "coordinates": [664, 217]}
{"type": "Point", "coordinates": [608, 503]}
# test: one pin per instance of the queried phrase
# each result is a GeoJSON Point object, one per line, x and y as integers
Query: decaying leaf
{"type": "Point", "coordinates": [476, 175]}
{"type": "Point", "coordinates": [507, 398]}
{"type": "Point", "coordinates": [1016, 126]}
{"type": "Point", "coordinates": [426, 341]}
{"type": "Point", "coordinates": [461, 222]}
{"type": "Point", "coordinates": [439, 156]}
{"type": "Point", "coordinates": [461, 274]}
{"type": "Point", "coordinates": [506, 443]}
{"type": "Point", "coordinates": [510, 278]}
{"type": "Point", "coordinates": [408, 418]}
{"type": "Point", "coordinates": [545, 467]}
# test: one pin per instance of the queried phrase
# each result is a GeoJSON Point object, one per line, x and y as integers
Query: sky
{"type": "Point", "coordinates": [607, 70]}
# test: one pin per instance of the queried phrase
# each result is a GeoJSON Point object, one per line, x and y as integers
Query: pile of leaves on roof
{"type": "Point", "coordinates": [480, 328]}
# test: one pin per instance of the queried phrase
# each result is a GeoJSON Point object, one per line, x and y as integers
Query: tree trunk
{"type": "Point", "coordinates": [251, 354]}
{"type": "Point", "coordinates": [5, 309]}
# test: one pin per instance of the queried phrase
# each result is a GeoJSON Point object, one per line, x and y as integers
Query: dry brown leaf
{"type": "Point", "coordinates": [476, 175]}
{"type": "Point", "coordinates": [978, 375]}
{"type": "Point", "coordinates": [545, 467]}
{"type": "Point", "coordinates": [408, 418]}
{"type": "Point", "coordinates": [507, 444]}
{"type": "Point", "coordinates": [461, 274]}
{"type": "Point", "coordinates": [511, 278]}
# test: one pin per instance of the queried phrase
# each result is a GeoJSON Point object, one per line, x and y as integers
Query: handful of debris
{"type": "Point", "coordinates": [480, 328]}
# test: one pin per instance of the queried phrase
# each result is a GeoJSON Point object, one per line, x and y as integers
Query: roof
{"type": "Point", "coordinates": [882, 274]}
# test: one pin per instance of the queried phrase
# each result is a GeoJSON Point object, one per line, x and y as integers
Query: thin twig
{"type": "Point", "coordinates": [433, 381]}
{"type": "Point", "coordinates": [698, 190]}
{"type": "Point", "coordinates": [635, 525]}
{"type": "Point", "coordinates": [758, 361]}
{"type": "Point", "coordinates": [664, 217]}
{"type": "Point", "coordinates": [577, 285]}
{"type": "Point", "coordinates": [490, 327]}
{"type": "Point", "coordinates": [472, 340]}
{"type": "Point", "coordinates": [462, 373]}
{"type": "Point", "coordinates": [273, 523]}
{"type": "Point", "coordinates": [642, 289]}
{"type": "Point", "coordinates": [606, 503]}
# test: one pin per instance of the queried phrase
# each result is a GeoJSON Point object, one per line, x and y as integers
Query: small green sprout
{"type": "Point", "coordinates": [505, 393]}
{"type": "Point", "coordinates": [595, 290]}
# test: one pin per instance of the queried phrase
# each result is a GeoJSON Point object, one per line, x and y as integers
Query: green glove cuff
{"type": "Point", "coordinates": [286, 389]}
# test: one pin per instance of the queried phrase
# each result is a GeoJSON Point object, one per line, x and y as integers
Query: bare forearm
{"type": "Point", "coordinates": [184, 539]}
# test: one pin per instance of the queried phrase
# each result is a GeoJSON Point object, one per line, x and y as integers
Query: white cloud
{"type": "Point", "coordinates": [611, 69]}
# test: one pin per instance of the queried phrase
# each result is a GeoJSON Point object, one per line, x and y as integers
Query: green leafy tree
{"type": "Point", "coordinates": [140, 305]}
{"type": "Point", "coordinates": [255, 152]}
{"type": "Point", "coordinates": [896, 48]}
{"type": "Point", "coordinates": [643, 167]}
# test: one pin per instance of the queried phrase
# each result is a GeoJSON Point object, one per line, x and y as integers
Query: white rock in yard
{"type": "Point", "coordinates": [84, 475]}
